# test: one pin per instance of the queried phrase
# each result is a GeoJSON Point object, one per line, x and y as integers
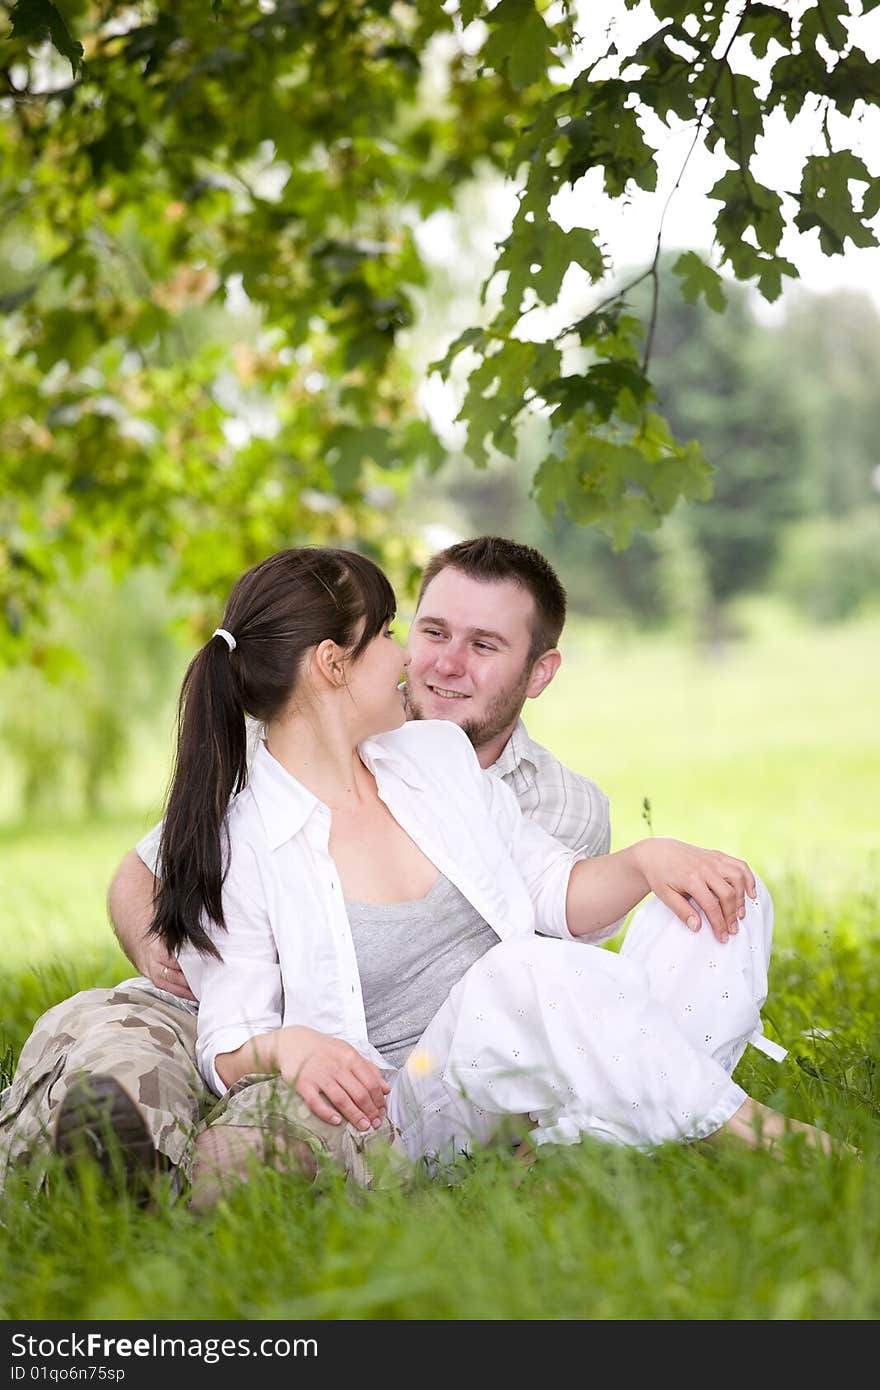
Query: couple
{"type": "Point", "coordinates": [366, 915]}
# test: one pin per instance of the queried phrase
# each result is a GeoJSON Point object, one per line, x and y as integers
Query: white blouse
{"type": "Point", "coordinates": [288, 954]}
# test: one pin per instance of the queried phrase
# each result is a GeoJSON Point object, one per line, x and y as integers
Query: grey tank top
{"type": "Point", "coordinates": [409, 956]}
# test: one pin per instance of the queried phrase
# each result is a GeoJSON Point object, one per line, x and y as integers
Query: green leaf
{"type": "Point", "coordinates": [349, 448]}
{"type": "Point", "coordinates": [764, 23]}
{"type": "Point", "coordinates": [519, 43]}
{"type": "Point", "coordinates": [416, 442]}
{"type": "Point", "coordinates": [469, 10]}
{"type": "Point", "coordinates": [823, 20]}
{"type": "Point", "coordinates": [466, 339]}
{"type": "Point", "coordinates": [871, 200]}
{"type": "Point", "coordinates": [826, 202]}
{"type": "Point", "coordinates": [34, 21]}
{"type": "Point", "coordinates": [769, 272]}
{"type": "Point", "coordinates": [559, 250]}
{"type": "Point", "coordinates": [747, 204]}
{"type": "Point", "coordinates": [856, 79]}
{"type": "Point", "coordinates": [698, 278]}
{"type": "Point", "coordinates": [611, 138]}
{"type": "Point", "coordinates": [538, 254]}
{"type": "Point", "coordinates": [796, 77]}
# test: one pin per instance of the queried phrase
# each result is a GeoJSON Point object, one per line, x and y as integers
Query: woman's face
{"type": "Point", "coordinates": [373, 681]}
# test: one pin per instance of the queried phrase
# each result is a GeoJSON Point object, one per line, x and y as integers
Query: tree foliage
{"type": "Point", "coordinates": [788, 416]}
{"type": "Point", "coordinates": [265, 163]}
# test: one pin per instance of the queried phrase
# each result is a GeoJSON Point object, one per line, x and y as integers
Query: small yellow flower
{"type": "Point", "coordinates": [420, 1063]}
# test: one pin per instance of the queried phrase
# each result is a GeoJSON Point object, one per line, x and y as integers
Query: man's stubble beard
{"type": "Point", "coordinates": [502, 713]}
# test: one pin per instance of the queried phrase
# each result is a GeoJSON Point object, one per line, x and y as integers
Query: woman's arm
{"type": "Point", "coordinates": [241, 1011]}
{"type": "Point", "coordinates": [332, 1077]}
{"type": "Point", "coordinates": [605, 889]}
{"type": "Point", "coordinates": [590, 898]}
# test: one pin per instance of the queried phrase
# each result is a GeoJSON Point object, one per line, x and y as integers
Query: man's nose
{"type": "Point", "coordinates": [450, 661]}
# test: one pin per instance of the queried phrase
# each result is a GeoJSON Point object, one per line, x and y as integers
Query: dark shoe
{"type": "Point", "coordinates": [98, 1119]}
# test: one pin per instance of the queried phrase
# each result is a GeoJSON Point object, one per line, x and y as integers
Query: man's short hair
{"type": "Point", "coordinates": [489, 559]}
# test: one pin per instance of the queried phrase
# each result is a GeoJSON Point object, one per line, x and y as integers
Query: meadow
{"type": "Point", "coordinates": [770, 749]}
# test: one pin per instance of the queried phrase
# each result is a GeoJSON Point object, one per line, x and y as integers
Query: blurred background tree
{"type": "Point", "coordinates": [209, 219]}
{"type": "Point", "coordinates": [69, 718]}
{"type": "Point", "coordinates": [788, 416]}
{"type": "Point", "coordinates": [221, 314]}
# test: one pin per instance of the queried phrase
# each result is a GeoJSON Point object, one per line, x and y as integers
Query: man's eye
{"type": "Point", "coordinates": [484, 646]}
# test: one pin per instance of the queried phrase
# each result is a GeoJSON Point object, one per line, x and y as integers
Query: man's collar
{"type": "Point", "coordinates": [517, 750]}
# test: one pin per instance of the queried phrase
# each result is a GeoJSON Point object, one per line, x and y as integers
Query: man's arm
{"type": "Point", "coordinates": [130, 906]}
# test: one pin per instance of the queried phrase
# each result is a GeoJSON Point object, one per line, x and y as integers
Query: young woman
{"type": "Point", "coordinates": [385, 949]}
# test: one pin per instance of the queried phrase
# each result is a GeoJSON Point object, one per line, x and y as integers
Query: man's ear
{"type": "Point", "coordinates": [542, 672]}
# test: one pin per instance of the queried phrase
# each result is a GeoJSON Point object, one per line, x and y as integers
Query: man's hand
{"type": "Point", "coordinates": [156, 962]}
{"type": "Point", "coordinates": [683, 875]}
{"type": "Point", "coordinates": [332, 1077]}
{"type": "Point", "coordinates": [130, 904]}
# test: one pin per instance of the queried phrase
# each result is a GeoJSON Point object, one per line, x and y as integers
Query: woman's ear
{"type": "Point", "coordinates": [329, 662]}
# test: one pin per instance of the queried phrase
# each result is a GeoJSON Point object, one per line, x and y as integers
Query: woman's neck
{"type": "Point", "coordinates": [323, 757]}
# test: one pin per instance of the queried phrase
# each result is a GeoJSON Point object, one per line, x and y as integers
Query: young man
{"type": "Point", "coordinates": [483, 641]}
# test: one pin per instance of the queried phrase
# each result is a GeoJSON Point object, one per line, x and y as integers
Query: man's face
{"type": "Point", "coordinates": [468, 655]}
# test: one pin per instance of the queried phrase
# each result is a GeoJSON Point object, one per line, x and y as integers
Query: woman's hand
{"type": "Point", "coordinates": [682, 875]}
{"type": "Point", "coordinates": [332, 1077]}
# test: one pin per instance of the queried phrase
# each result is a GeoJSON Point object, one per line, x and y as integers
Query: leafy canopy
{"type": "Point", "coordinates": [209, 261]}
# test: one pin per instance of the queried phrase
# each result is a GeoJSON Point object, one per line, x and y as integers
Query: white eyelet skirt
{"type": "Point", "coordinates": [635, 1047]}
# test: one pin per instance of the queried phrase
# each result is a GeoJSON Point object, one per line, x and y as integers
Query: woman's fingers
{"type": "Point", "coordinates": [719, 889]}
{"type": "Point", "coordinates": [334, 1079]}
{"type": "Point", "coordinates": [687, 907]}
{"type": "Point", "coordinates": [715, 903]}
{"type": "Point", "coordinates": [316, 1102]}
{"type": "Point", "coordinates": [374, 1080]}
{"type": "Point", "coordinates": [340, 1096]}
{"type": "Point", "coordinates": [362, 1097]}
{"type": "Point", "coordinates": [680, 905]}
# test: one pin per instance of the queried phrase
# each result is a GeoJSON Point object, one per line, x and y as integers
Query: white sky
{"type": "Point", "coordinates": [632, 224]}
{"type": "Point", "coordinates": [629, 225]}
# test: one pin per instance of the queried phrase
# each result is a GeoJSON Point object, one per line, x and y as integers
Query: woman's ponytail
{"type": "Point", "coordinates": [210, 767]}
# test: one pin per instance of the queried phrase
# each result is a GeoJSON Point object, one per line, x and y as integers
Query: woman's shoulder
{"type": "Point", "coordinates": [429, 745]}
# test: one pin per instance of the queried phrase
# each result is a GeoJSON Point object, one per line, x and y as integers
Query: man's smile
{"type": "Point", "coordinates": [447, 694]}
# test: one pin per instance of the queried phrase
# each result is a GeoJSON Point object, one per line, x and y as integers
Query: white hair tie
{"type": "Point", "coordinates": [227, 637]}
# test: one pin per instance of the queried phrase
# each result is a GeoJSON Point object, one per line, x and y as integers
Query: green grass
{"type": "Point", "coordinates": [772, 752]}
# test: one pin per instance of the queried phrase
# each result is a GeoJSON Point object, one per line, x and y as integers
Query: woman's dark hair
{"type": "Point", "coordinates": [277, 611]}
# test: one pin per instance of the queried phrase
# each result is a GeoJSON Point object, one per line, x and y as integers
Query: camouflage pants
{"type": "Point", "coordinates": [145, 1039]}
{"type": "Point", "coordinates": [281, 1126]}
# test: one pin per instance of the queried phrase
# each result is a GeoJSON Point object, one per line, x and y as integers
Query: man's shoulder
{"type": "Point", "coordinates": [570, 805]}
{"type": "Point", "coordinates": [546, 764]}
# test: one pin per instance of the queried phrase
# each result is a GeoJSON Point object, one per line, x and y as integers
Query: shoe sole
{"type": "Point", "coordinates": [99, 1120]}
